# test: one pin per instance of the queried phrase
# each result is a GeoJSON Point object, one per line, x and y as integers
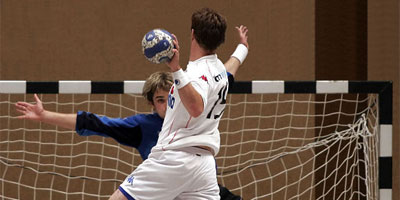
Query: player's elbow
{"type": "Point", "coordinates": [196, 110]}
{"type": "Point", "coordinates": [193, 103]}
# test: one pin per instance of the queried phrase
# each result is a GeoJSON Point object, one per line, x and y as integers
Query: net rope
{"type": "Point", "coordinates": [273, 146]}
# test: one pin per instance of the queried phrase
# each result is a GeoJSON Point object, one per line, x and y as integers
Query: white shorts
{"type": "Point", "coordinates": [187, 173]}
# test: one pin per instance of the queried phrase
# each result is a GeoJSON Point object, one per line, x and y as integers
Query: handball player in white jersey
{"type": "Point", "coordinates": [182, 164]}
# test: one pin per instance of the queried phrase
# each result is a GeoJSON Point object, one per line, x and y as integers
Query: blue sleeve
{"type": "Point", "coordinates": [231, 79]}
{"type": "Point", "coordinates": [125, 131]}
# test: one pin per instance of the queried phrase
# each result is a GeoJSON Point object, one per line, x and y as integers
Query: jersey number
{"type": "Point", "coordinates": [222, 99]}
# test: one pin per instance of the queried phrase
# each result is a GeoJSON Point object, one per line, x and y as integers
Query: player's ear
{"type": "Point", "coordinates": [192, 34]}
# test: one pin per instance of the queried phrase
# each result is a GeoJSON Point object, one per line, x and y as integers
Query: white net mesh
{"type": "Point", "coordinates": [273, 146]}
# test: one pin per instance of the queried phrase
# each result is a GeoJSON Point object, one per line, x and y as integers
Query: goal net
{"type": "Point", "coordinates": [273, 146]}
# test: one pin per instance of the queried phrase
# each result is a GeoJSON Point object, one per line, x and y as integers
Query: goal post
{"type": "Point", "coordinates": [279, 140]}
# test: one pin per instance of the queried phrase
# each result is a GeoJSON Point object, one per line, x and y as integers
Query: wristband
{"type": "Point", "coordinates": [180, 79]}
{"type": "Point", "coordinates": [240, 53]}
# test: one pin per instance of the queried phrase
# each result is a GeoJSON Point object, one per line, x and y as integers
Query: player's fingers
{"type": "Point", "coordinates": [19, 106]}
{"type": "Point", "coordinates": [176, 43]}
{"type": "Point", "coordinates": [21, 117]}
{"type": "Point", "coordinates": [21, 111]}
{"type": "Point", "coordinates": [174, 36]}
{"type": "Point", "coordinates": [23, 104]}
{"type": "Point", "coordinates": [37, 98]}
{"type": "Point", "coordinates": [242, 29]}
{"type": "Point", "coordinates": [25, 109]}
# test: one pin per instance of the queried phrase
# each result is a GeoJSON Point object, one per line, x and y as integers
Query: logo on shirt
{"type": "Point", "coordinates": [219, 77]}
{"type": "Point", "coordinates": [129, 179]}
{"type": "Point", "coordinates": [177, 82]}
{"type": "Point", "coordinates": [171, 98]}
{"type": "Point", "coordinates": [204, 78]}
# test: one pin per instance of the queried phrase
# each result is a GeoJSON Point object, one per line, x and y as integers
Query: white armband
{"type": "Point", "coordinates": [180, 78]}
{"type": "Point", "coordinates": [240, 53]}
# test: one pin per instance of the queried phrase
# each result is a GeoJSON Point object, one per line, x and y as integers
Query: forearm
{"type": "Point", "coordinates": [236, 59]}
{"type": "Point", "coordinates": [59, 119]}
{"type": "Point", "coordinates": [190, 98]}
{"type": "Point", "coordinates": [125, 131]}
{"type": "Point", "coordinates": [232, 65]}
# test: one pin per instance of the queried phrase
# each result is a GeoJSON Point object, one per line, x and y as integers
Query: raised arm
{"type": "Point", "coordinates": [36, 112]}
{"type": "Point", "coordinates": [190, 98]}
{"type": "Point", "coordinates": [238, 57]}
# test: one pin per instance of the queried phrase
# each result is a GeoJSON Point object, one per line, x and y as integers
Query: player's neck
{"type": "Point", "coordinates": [197, 52]}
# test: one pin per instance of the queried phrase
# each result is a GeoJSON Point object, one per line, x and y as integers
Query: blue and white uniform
{"type": "Point", "coordinates": [176, 167]}
{"type": "Point", "coordinates": [139, 131]}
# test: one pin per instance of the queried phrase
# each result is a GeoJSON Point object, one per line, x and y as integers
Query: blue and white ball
{"type": "Point", "coordinates": [157, 46]}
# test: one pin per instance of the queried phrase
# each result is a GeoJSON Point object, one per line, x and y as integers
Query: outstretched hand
{"type": "Point", "coordinates": [30, 111]}
{"type": "Point", "coordinates": [242, 31]}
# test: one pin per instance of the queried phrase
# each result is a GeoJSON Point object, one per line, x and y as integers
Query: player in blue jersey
{"type": "Point", "coordinates": [138, 131]}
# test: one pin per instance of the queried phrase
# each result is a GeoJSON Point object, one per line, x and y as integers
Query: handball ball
{"type": "Point", "coordinates": [157, 46]}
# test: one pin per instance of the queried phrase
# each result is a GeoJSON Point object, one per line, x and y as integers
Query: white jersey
{"type": "Point", "coordinates": [208, 77]}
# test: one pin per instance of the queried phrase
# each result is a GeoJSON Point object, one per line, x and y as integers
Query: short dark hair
{"type": "Point", "coordinates": [209, 28]}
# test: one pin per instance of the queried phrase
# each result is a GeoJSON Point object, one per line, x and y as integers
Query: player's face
{"type": "Point", "coordinates": [160, 102]}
